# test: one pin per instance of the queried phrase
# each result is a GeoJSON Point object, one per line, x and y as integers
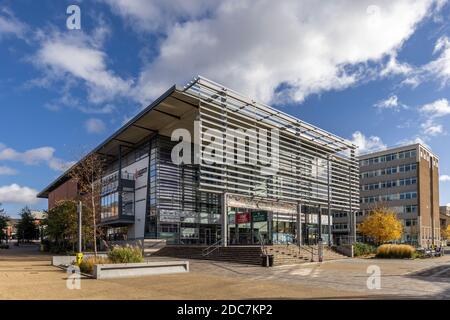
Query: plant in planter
{"type": "Point", "coordinates": [87, 265]}
{"type": "Point", "coordinates": [127, 254]}
{"type": "Point", "coordinates": [363, 249]}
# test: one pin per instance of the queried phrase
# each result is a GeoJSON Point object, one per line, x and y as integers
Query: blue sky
{"type": "Point", "coordinates": [374, 72]}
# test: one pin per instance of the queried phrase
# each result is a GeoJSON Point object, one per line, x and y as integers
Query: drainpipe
{"type": "Point", "coordinates": [432, 202]}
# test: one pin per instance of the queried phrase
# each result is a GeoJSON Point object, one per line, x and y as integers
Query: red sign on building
{"type": "Point", "coordinates": [242, 217]}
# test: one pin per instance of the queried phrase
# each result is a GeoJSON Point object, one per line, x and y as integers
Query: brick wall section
{"type": "Point", "coordinates": [436, 202]}
{"type": "Point", "coordinates": [66, 191]}
{"type": "Point", "coordinates": [428, 194]}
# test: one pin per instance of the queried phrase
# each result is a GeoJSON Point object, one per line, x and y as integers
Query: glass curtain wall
{"type": "Point", "coordinates": [177, 210]}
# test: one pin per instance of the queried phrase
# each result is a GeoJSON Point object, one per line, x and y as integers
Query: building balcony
{"type": "Point", "coordinates": [117, 200]}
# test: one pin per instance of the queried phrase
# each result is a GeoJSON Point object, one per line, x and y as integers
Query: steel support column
{"type": "Point", "coordinates": [224, 220]}
{"type": "Point", "coordinates": [299, 225]}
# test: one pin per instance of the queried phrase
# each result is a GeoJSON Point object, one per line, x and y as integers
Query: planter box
{"type": "Point", "coordinates": [125, 270]}
{"type": "Point", "coordinates": [67, 260]}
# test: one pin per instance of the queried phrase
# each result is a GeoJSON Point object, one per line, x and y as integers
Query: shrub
{"type": "Point", "coordinates": [363, 249]}
{"type": "Point", "coordinates": [128, 254]}
{"type": "Point", "coordinates": [4, 246]}
{"type": "Point", "coordinates": [402, 251]}
{"type": "Point", "coordinates": [87, 265]}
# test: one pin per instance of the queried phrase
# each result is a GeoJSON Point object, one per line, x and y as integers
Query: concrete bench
{"type": "Point", "coordinates": [125, 270]}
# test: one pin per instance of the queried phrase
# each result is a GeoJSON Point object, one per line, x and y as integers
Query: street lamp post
{"type": "Point", "coordinates": [320, 244]}
{"type": "Point", "coordinates": [80, 248]}
{"type": "Point", "coordinates": [329, 199]}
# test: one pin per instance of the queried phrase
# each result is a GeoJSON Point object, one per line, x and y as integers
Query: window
{"type": "Point", "coordinates": [109, 206]}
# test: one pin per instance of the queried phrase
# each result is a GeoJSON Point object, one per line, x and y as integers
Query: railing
{"type": "Point", "coordinates": [309, 249]}
{"type": "Point", "coordinates": [262, 244]}
{"type": "Point", "coordinates": [215, 246]}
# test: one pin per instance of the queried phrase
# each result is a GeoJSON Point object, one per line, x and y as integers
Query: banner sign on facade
{"type": "Point", "coordinates": [259, 216]}
{"type": "Point", "coordinates": [242, 217]}
{"type": "Point", "coordinates": [267, 205]}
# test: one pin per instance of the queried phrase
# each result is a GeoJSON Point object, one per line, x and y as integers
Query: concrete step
{"type": "Point", "coordinates": [151, 246]}
{"type": "Point", "coordinates": [245, 255]}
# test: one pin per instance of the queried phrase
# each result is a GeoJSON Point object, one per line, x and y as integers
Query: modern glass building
{"type": "Point", "coordinates": [204, 164]}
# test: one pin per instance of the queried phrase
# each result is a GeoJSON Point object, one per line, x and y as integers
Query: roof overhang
{"type": "Point", "coordinates": [178, 108]}
{"type": "Point", "coordinates": [173, 109]}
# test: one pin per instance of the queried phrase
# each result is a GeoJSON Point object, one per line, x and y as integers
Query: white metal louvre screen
{"type": "Point", "coordinates": [312, 166]}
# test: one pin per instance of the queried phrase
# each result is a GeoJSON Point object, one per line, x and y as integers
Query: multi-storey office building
{"type": "Point", "coordinates": [405, 179]}
{"type": "Point", "coordinates": [243, 172]}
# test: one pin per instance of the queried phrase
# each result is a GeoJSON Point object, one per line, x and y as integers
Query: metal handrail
{"type": "Point", "coordinates": [207, 251]}
{"type": "Point", "coordinates": [309, 249]}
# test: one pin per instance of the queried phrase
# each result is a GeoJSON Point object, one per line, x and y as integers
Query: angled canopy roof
{"type": "Point", "coordinates": [159, 117]}
{"type": "Point", "coordinates": [173, 109]}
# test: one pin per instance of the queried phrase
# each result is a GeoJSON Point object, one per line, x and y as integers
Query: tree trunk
{"type": "Point", "coordinates": [94, 219]}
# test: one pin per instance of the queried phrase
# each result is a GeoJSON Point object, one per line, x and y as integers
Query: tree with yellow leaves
{"type": "Point", "coordinates": [445, 233]}
{"type": "Point", "coordinates": [382, 225]}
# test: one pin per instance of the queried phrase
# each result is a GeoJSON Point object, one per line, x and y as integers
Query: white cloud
{"type": "Point", "coordinates": [444, 178]}
{"type": "Point", "coordinates": [415, 140]}
{"type": "Point", "coordinates": [94, 125]}
{"type": "Point", "coordinates": [365, 145]}
{"type": "Point", "coordinates": [440, 67]}
{"type": "Point", "coordinates": [7, 171]}
{"type": "Point", "coordinates": [150, 16]}
{"type": "Point", "coordinates": [431, 128]}
{"type": "Point", "coordinates": [435, 70]}
{"type": "Point", "coordinates": [412, 81]}
{"type": "Point", "coordinates": [438, 108]}
{"type": "Point", "coordinates": [9, 25]}
{"type": "Point", "coordinates": [79, 57]}
{"type": "Point", "coordinates": [394, 67]}
{"type": "Point", "coordinates": [261, 46]}
{"type": "Point", "coordinates": [431, 112]}
{"type": "Point", "coordinates": [34, 157]}
{"type": "Point", "coordinates": [390, 103]}
{"type": "Point", "coordinates": [17, 194]}
{"type": "Point", "coordinates": [59, 164]}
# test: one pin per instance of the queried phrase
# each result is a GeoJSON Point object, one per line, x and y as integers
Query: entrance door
{"type": "Point", "coordinates": [311, 234]}
{"type": "Point", "coordinates": [207, 236]}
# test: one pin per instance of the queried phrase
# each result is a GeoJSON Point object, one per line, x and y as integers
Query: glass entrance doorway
{"type": "Point", "coordinates": [310, 234]}
{"type": "Point", "coordinates": [207, 237]}
{"type": "Point", "coordinates": [248, 227]}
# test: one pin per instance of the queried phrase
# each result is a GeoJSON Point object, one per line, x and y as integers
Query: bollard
{"type": "Point", "coordinates": [79, 258]}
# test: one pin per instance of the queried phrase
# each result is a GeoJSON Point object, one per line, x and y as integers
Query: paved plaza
{"type": "Point", "coordinates": [27, 274]}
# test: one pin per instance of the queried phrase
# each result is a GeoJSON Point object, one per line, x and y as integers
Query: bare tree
{"type": "Point", "coordinates": [87, 174]}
